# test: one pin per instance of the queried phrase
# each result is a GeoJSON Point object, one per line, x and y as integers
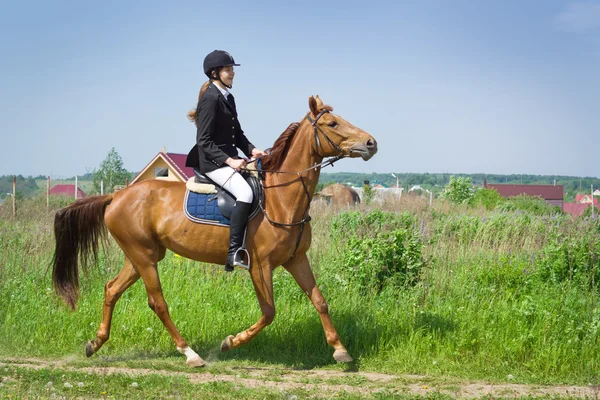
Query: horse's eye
{"type": "Point", "coordinates": [332, 124]}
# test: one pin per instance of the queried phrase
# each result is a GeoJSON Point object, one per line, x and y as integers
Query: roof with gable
{"type": "Point", "coordinates": [175, 160]}
{"type": "Point", "coordinates": [67, 190]}
{"type": "Point", "coordinates": [585, 198]}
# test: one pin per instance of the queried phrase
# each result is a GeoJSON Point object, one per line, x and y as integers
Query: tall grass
{"type": "Point", "coordinates": [411, 289]}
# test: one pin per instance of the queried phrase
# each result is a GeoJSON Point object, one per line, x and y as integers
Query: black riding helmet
{"type": "Point", "coordinates": [217, 59]}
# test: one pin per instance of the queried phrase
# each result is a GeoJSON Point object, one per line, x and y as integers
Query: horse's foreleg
{"type": "Point", "coordinates": [149, 273]}
{"type": "Point", "coordinates": [262, 278]}
{"type": "Point", "coordinates": [299, 267]}
{"type": "Point", "coordinates": [112, 292]}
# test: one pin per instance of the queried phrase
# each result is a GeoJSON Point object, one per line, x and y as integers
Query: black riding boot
{"type": "Point", "coordinates": [237, 226]}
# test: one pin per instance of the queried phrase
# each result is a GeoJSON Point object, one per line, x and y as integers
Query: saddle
{"type": "Point", "coordinates": [208, 203]}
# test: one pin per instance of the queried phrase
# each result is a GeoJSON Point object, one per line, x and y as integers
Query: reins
{"type": "Point", "coordinates": [330, 161]}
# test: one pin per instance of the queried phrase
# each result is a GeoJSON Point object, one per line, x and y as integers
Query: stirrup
{"type": "Point", "coordinates": [241, 263]}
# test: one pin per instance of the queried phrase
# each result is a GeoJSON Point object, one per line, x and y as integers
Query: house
{"type": "Point", "coordinates": [339, 194]}
{"type": "Point", "coordinates": [67, 190]}
{"type": "Point", "coordinates": [166, 166]}
{"type": "Point", "coordinates": [585, 198]}
{"type": "Point", "coordinates": [553, 194]}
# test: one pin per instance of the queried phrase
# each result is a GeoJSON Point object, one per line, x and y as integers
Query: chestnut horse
{"type": "Point", "coordinates": [147, 218]}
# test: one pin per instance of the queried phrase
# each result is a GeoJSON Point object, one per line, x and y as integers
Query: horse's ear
{"type": "Point", "coordinates": [312, 104]}
{"type": "Point", "coordinates": [319, 103]}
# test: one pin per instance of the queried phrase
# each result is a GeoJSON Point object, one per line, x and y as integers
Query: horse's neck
{"type": "Point", "coordinates": [287, 199]}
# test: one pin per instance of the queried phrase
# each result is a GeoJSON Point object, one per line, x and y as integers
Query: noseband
{"type": "Point", "coordinates": [316, 130]}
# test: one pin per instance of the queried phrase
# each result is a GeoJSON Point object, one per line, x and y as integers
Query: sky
{"type": "Point", "coordinates": [498, 87]}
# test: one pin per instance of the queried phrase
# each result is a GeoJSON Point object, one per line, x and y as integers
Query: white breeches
{"type": "Point", "coordinates": [236, 184]}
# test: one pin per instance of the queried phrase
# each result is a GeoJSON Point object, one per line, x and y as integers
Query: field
{"type": "Point", "coordinates": [427, 300]}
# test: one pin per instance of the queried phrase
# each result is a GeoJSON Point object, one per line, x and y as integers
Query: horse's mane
{"type": "Point", "coordinates": [275, 158]}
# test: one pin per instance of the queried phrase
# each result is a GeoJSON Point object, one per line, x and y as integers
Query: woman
{"type": "Point", "coordinates": [218, 136]}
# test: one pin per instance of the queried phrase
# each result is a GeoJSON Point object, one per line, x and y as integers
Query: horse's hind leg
{"type": "Point", "coordinates": [147, 267]}
{"type": "Point", "coordinates": [112, 292]}
{"type": "Point", "coordinates": [299, 267]}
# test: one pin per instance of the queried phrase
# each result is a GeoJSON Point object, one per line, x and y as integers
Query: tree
{"type": "Point", "coordinates": [368, 193]}
{"type": "Point", "coordinates": [111, 171]}
{"type": "Point", "coordinates": [458, 190]}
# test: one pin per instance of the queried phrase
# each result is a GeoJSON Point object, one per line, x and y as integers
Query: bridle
{"type": "Point", "coordinates": [316, 131]}
{"type": "Point", "coordinates": [306, 217]}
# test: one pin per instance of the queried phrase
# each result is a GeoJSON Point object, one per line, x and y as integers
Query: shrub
{"type": "Point", "coordinates": [391, 257]}
{"type": "Point", "coordinates": [532, 204]}
{"type": "Point", "coordinates": [458, 190]}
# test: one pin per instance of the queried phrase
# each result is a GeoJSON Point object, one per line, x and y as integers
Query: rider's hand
{"type": "Point", "coordinates": [236, 164]}
{"type": "Point", "coordinates": [258, 153]}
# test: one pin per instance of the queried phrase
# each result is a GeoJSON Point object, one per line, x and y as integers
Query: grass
{"type": "Point", "coordinates": [495, 294]}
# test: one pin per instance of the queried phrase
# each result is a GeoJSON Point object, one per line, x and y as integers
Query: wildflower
{"type": "Point", "coordinates": [434, 362]}
{"type": "Point", "coordinates": [425, 387]}
{"type": "Point", "coordinates": [68, 385]}
{"type": "Point", "coordinates": [80, 384]}
{"type": "Point", "coordinates": [134, 384]}
{"type": "Point", "coordinates": [510, 377]}
{"type": "Point", "coordinates": [149, 330]}
{"type": "Point", "coordinates": [49, 384]}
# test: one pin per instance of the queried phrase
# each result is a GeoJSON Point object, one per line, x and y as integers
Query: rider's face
{"type": "Point", "coordinates": [227, 74]}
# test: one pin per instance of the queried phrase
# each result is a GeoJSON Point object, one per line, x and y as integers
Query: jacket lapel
{"type": "Point", "coordinates": [222, 98]}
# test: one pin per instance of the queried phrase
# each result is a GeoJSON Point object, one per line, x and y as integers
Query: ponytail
{"type": "Point", "coordinates": [192, 114]}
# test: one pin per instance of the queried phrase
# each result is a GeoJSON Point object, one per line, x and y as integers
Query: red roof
{"type": "Point", "coordinates": [178, 162]}
{"type": "Point", "coordinates": [576, 209]}
{"type": "Point", "coordinates": [546, 192]}
{"type": "Point", "coordinates": [580, 197]}
{"type": "Point", "coordinates": [67, 190]}
{"type": "Point", "coordinates": [175, 161]}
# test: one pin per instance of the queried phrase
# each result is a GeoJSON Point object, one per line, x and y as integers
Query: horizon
{"type": "Point", "coordinates": [509, 87]}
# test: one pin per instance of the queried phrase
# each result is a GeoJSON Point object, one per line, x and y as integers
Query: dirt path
{"type": "Point", "coordinates": [323, 381]}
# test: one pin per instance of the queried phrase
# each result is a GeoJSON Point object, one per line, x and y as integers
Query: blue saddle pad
{"type": "Point", "coordinates": [203, 208]}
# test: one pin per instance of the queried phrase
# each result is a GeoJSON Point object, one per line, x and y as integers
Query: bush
{"type": "Point", "coordinates": [488, 198]}
{"type": "Point", "coordinates": [391, 257]}
{"type": "Point", "coordinates": [532, 204]}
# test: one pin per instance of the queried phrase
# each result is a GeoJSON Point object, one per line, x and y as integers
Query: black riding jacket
{"type": "Point", "coordinates": [219, 133]}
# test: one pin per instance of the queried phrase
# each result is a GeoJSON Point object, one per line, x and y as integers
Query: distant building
{"type": "Point", "coordinates": [553, 194]}
{"type": "Point", "coordinates": [67, 190]}
{"type": "Point", "coordinates": [585, 199]}
{"type": "Point", "coordinates": [577, 209]}
{"type": "Point", "coordinates": [381, 193]}
{"type": "Point", "coordinates": [166, 166]}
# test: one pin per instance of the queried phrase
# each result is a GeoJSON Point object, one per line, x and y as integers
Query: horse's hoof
{"type": "Point", "coordinates": [89, 351]}
{"type": "Point", "coordinates": [342, 356]}
{"type": "Point", "coordinates": [227, 344]}
{"type": "Point", "coordinates": [195, 362]}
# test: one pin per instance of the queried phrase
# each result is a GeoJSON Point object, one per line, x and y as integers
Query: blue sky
{"type": "Point", "coordinates": [444, 86]}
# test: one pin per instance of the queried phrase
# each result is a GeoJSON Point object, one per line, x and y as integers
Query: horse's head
{"type": "Point", "coordinates": [335, 136]}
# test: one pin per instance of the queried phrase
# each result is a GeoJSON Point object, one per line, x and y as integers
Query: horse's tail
{"type": "Point", "coordinates": [78, 230]}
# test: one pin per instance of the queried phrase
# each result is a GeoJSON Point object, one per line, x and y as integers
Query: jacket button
{"type": "Point", "coordinates": [233, 127]}
{"type": "Point", "coordinates": [233, 136]}
{"type": "Point", "coordinates": [233, 118]}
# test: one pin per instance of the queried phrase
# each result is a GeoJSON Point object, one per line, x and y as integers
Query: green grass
{"type": "Point", "coordinates": [496, 295]}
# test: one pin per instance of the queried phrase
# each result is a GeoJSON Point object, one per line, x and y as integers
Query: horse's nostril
{"type": "Point", "coordinates": [370, 144]}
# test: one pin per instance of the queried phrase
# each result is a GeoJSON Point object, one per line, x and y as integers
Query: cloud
{"type": "Point", "coordinates": [580, 17]}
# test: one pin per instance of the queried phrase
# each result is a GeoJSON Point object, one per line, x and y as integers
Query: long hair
{"type": "Point", "coordinates": [193, 113]}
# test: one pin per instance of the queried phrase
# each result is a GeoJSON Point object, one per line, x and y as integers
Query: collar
{"type": "Point", "coordinates": [224, 92]}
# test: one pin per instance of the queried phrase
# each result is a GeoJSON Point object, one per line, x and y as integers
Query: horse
{"type": "Point", "coordinates": [147, 218]}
